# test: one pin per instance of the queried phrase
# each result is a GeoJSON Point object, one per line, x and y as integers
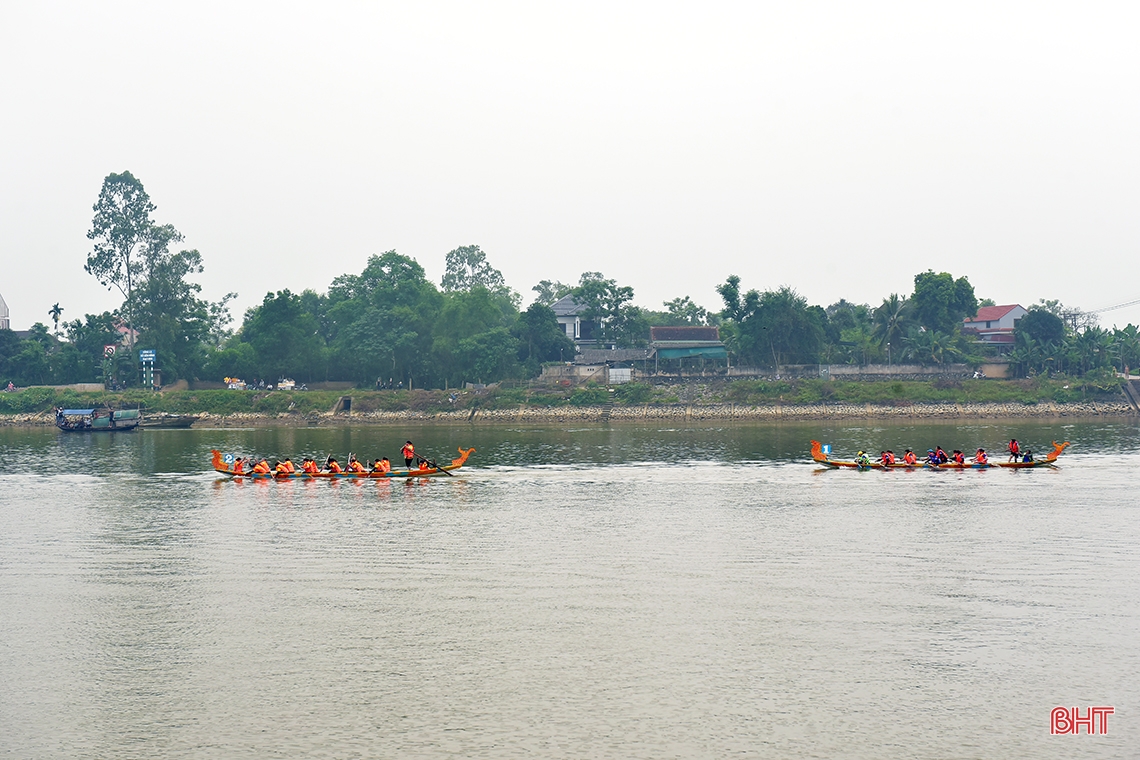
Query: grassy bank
{"type": "Point", "coordinates": [740, 392]}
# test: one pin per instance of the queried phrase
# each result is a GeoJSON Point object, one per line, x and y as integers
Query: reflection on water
{"type": "Point", "coordinates": [624, 591]}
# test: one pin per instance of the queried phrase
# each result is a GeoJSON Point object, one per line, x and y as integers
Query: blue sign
{"type": "Point", "coordinates": [826, 448]}
{"type": "Point", "coordinates": [228, 458]}
{"type": "Point", "coordinates": [146, 356]}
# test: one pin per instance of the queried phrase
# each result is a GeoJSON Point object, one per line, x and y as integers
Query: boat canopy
{"type": "Point", "coordinates": [77, 412]}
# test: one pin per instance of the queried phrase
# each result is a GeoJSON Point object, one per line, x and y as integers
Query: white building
{"type": "Point", "coordinates": [4, 325]}
{"type": "Point", "coordinates": [994, 324]}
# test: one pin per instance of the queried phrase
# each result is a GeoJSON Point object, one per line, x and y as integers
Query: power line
{"type": "Point", "coordinates": [1114, 308]}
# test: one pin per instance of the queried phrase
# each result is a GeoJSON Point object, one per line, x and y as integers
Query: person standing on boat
{"type": "Point", "coordinates": [408, 452]}
{"type": "Point", "coordinates": [1014, 449]}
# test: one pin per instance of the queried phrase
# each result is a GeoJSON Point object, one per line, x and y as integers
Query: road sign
{"type": "Point", "coordinates": [146, 356]}
{"type": "Point", "coordinates": [109, 351]}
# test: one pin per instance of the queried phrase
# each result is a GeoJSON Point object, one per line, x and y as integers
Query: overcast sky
{"type": "Point", "coordinates": [838, 148]}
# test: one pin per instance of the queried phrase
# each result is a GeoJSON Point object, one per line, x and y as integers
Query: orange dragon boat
{"type": "Point", "coordinates": [822, 458]}
{"type": "Point", "coordinates": [224, 463]}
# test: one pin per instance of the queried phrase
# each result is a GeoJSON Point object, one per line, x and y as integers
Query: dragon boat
{"type": "Point", "coordinates": [823, 459]}
{"type": "Point", "coordinates": [223, 463]}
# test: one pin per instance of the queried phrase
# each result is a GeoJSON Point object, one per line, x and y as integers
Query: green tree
{"type": "Point", "coordinates": [541, 338]}
{"type": "Point", "coordinates": [122, 232]}
{"type": "Point", "coordinates": [550, 291]}
{"type": "Point", "coordinates": [777, 325]}
{"type": "Point", "coordinates": [1042, 325]}
{"type": "Point", "coordinates": [467, 267]}
{"type": "Point", "coordinates": [940, 302]}
{"type": "Point", "coordinates": [55, 312]}
{"type": "Point", "coordinates": [380, 324]}
{"type": "Point", "coordinates": [892, 320]}
{"type": "Point", "coordinates": [610, 306]}
{"type": "Point", "coordinates": [682, 311]}
{"type": "Point", "coordinates": [284, 338]}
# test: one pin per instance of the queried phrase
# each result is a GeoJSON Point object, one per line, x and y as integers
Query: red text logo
{"type": "Point", "coordinates": [1068, 720]}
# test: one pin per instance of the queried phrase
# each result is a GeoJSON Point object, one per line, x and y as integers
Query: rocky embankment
{"type": "Point", "coordinates": [767, 413]}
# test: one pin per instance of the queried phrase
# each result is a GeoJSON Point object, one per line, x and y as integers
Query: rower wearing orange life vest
{"type": "Point", "coordinates": [980, 457]}
{"type": "Point", "coordinates": [309, 466]}
{"type": "Point", "coordinates": [909, 457]}
{"type": "Point", "coordinates": [280, 468]}
{"type": "Point", "coordinates": [355, 466]}
{"type": "Point", "coordinates": [238, 465]}
{"type": "Point", "coordinates": [382, 466]}
{"type": "Point", "coordinates": [333, 467]}
{"type": "Point", "coordinates": [408, 452]}
{"type": "Point", "coordinates": [261, 468]}
{"type": "Point", "coordinates": [288, 465]}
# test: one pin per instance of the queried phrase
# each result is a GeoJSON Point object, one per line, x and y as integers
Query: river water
{"type": "Point", "coordinates": [626, 591]}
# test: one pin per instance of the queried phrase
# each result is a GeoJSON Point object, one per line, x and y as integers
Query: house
{"type": "Point", "coordinates": [4, 315]}
{"type": "Point", "coordinates": [994, 324]}
{"type": "Point", "coordinates": [686, 342]}
{"type": "Point", "coordinates": [569, 314]}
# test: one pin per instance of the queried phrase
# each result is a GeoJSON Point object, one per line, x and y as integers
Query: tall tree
{"type": "Point", "coordinates": [550, 291]}
{"type": "Point", "coordinates": [55, 312]}
{"type": "Point", "coordinates": [467, 267]}
{"type": "Point", "coordinates": [123, 233]}
{"type": "Point", "coordinates": [940, 302]}
{"type": "Point", "coordinates": [610, 305]}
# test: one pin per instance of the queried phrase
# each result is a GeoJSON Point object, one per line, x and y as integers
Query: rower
{"type": "Point", "coordinates": [280, 469]}
{"type": "Point", "coordinates": [909, 457]}
{"type": "Point", "coordinates": [862, 459]}
{"type": "Point", "coordinates": [238, 465]}
{"type": "Point", "coordinates": [942, 457]}
{"type": "Point", "coordinates": [383, 465]}
{"type": "Point", "coordinates": [355, 466]}
{"type": "Point", "coordinates": [288, 465]}
{"type": "Point", "coordinates": [1014, 449]}
{"type": "Point", "coordinates": [408, 452]}
{"type": "Point", "coordinates": [332, 466]}
{"type": "Point", "coordinates": [1028, 456]}
{"type": "Point", "coordinates": [310, 466]}
{"type": "Point", "coordinates": [958, 457]}
{"type": "Point", "coordinates": [980, 457]}
{"type": "Point", "coordinates": [261, 468]}
{"type": "Point", "coordinates": [890, 457]}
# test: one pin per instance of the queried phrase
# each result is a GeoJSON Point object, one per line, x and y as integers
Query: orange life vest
{"type": "Point", "coordinates": [355, 467]}
{"type": "Point", "coordinates": [409, 451]}
{"type": "Point", "coordinates": [310, 467]}
{"type": "Point", "coordinates": [289, 468]}
{"type": "Point", "coordinates": [981, 457]}
{"type": "Point", "coordinates": [261, 467]}
{"type": "Point", "coordinates": [334, 467]}
{"type": "Point", "coordinates": [909, 457]}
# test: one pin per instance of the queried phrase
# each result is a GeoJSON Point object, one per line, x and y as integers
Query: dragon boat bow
{"type": "Point", "coordinates": [223, 463]}
{"type": "Point", "coordinates": [821, 458]}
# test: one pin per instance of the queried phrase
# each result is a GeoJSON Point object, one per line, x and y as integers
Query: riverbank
{"type": "Point", "coordinates": [706, 399]}
{"type": "Point", "coordinates": [647, 412]}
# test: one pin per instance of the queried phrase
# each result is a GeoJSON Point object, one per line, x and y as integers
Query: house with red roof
{"type": "Point", "coordinates": [994, 324]}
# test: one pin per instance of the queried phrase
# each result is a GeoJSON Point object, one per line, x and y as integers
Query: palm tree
{"type": "Point", "coordinates": [54, 312]}
{"type": "Point", "coordinates": [891, 320]}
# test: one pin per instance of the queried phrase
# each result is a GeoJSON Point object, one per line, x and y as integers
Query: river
{"type": "Point", "coordinates": [633, 591]}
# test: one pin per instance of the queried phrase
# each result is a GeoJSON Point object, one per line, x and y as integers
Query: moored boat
{"type": "Point", "coordinates": [820, 457]}
{"type": "Point", "coordinates": [223, 463]}
{"type": "Point", "coordinates": [96, 419]}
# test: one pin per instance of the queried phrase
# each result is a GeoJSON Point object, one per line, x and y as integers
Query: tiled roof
{"type": "Point", "coordinates": [992, 313]}
{"type": "Point", "coordinates": [566, 306]}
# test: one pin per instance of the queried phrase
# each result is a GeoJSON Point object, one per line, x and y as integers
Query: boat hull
{"type": "Point", "coordinates": [222, 467]}
{"type": "Point", "coordinates": [820, 458]}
